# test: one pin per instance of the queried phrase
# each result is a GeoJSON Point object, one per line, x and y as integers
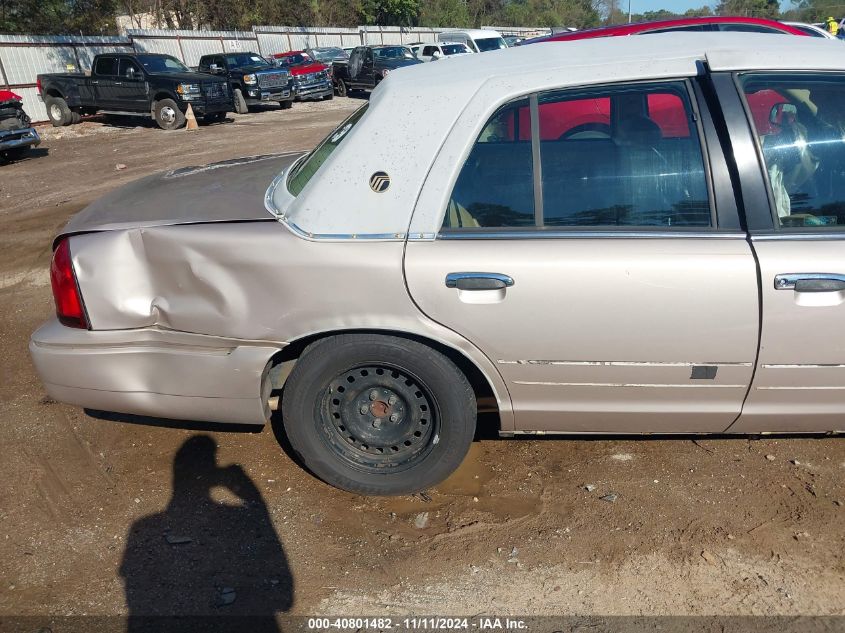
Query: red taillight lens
{"type": "Point", "coordinates": [38, 85]}
{"type": "Point", "coordinates": [69, 306]}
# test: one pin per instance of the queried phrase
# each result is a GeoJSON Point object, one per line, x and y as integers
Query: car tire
{"type": "Point", "coordinates": [167, 114]}
{"type": "Point", "coordinates": [286, 105]}
{"type": "Point", "coordinates": [57, 111]}
{"type": "Point", "coordinates": [378, 415]}
{"type": "Point", "coordinates": [342, 89]}
{"type": "Point", "coordinates": [75, 117]}
{"type": "Point", "coordinates": [240, 103]}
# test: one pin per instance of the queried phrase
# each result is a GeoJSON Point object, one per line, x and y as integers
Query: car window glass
{"type": "Point", "coordinates": [490, 44]}
{"type": "Point", "coordinates": [429, 50]}
{"type": "Point", "coordinates": [688, 27]}
{"type": "Point", "coordinates": [623, 156]}
{"type": "Point", "coordinates": [303, 173]}
{"type": "Point", "coordinates": [800, 126]}
{"type": "Point", "coordinates": [106, 66]}
{"type": "Point", "coordinates": [749, 28]}
{"type": "Point", "coordinates": [496, 185]}
{"type": "Point", "coordinates": [129, 69]}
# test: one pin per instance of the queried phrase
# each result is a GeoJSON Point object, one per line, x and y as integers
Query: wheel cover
{"type": "Point", "coordinates": [167, 114]}
{"type": "Point", "coordinates": [379, 418]}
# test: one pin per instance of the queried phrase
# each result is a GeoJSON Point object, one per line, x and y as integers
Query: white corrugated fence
{"type": "Point", "coordinates": [24, 57]}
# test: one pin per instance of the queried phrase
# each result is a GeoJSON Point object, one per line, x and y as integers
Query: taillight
{"type": "Point", "coordinates": [38, 84]}
{"type": "Point", "coordinates": [69, 307]}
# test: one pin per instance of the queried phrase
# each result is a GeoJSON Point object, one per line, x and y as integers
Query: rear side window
{"type": "Point", "coordinates": [625, 156]}
{"type": "Point", "coordinates": [106, 66]}
{"type": "Point", "coordinates": [749, 28]}
{"type": "Point", "coordinates": [800, 125]}
{"type": "Point", "coordinates": [303, 173]}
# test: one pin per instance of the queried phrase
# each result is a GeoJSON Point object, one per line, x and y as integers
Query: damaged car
{"type": "Point", "coordinates": [17, 135]}
{"type": "Point", "coordinates": [593, 239]}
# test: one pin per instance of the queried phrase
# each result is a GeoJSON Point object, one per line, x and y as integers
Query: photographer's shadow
{"type": "Point", "coordinates": [205, 558]}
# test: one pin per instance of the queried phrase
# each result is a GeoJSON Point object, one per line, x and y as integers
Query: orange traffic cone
{"type": "Point", "coordinates": [191, 120]}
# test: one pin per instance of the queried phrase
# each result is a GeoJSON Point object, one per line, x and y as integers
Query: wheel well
{"type": "Point", "coordinates": [54, 93]}
{"type": "Point", "coordinates": [162, 95]}
{"type": "Point", "coordinates": [488, 419]}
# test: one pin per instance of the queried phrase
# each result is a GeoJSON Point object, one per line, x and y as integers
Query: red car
{"type": "Point", "coordinates": [311, 78]}
{"type": "Point", "coordinates": [591, 117]}
{"type": "Point", "coordinates": [708, 23]}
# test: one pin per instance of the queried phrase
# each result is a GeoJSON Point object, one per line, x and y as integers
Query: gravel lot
{"type": "Point", "coordinates": [101, 517]}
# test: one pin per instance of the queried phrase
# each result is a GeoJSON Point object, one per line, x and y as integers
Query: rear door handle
{"type": "Point", "coordinates": [810, 282]}
{"type": "Point", "coordinates": [94, 82]}
{"type": "Point", "coordinates": [478, 281]}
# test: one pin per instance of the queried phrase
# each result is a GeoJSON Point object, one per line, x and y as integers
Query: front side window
{"type": "Point", "coordinates": [627, 156]}
{"type": "Point", "coordinates": [800, 125]}
{"type": "Point", "coordinates": [750, 28]}
{"type": "Point", "coordinates": [303, 172]}
{"type": "Point", "coordinates": [129, 69]}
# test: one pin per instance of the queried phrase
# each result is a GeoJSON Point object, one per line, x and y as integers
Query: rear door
{"type": "Point", "coordinates": [797, 225]}
{"type": "Point", "coordinates": [104, 82]}
{"type": "Point", "coordinates": [590, 247]}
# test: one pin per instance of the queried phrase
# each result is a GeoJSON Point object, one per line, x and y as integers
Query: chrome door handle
{"type": "Point", "coordinates": [118, 83]}
{"type": "Point", "coordinates": [810, 282]}
{"type": "Point", "coordinates": [478, 281]}
{"type": "Point", "coordinates": [94, 82]}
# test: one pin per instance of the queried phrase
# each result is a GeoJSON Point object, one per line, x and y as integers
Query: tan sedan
{"type": "Point", "coordinates": [626, 235]}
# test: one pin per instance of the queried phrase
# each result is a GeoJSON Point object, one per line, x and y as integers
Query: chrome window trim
{"type": "Point", "coordinates": [776, 237]}
{"type": "Point", "coordinates": [540, 235]}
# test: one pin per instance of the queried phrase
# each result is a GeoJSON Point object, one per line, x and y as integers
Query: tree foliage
{"type": "Point", "coordinates": [98, 16]}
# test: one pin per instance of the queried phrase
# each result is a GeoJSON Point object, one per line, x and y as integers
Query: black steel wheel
{"type": "Point", "coordinates": [378, 414]}
{"type": "Point", "coordinates": [378, 417]}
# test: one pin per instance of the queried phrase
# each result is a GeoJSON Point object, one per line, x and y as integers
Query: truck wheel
{"type": "Point", "coordinates": [240, 102]}
{"type": "Point", "coordinates": [342, 90]}
{"type": "Point", "coordinates": [167, 114]}
{"type": "Point", "coordinates": [378, 415]}
{"type": "Point", "coordinates": [75, 117]}
{"type": "Point", "coordinates": [57, 111]}
{"type": "Point", "coordinates": [286, 105]}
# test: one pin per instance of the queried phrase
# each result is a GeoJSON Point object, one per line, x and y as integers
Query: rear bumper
{"type": "Point", "coordinates": [154, 373]}
{"type": "Point", "coordinates": [11, 139]}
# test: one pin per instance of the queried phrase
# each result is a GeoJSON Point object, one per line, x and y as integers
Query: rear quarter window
{"type": "Point", "coordinates": [303, 173]}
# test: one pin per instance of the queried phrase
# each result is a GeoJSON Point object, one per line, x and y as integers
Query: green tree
{"type": "Point", "coordinates": [445, 13]}
{"type": "Point", "coordinates": [749, 8]}
{"type": "Point", "coordinates": [389, 12]}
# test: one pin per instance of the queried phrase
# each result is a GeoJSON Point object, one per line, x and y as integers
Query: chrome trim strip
{"type": "Point", "coordinates": [625, 384]}
{"type": "Point", "coordinates": [539, 235]}
{"type": "Point", "coordinates": [840, 388]}
{"type": "Point", "coordinates": [622, 363]}
{"type": "Point", "coordinates": [769, 237]}
{"type": "Point", "coordinates": [805, 366]}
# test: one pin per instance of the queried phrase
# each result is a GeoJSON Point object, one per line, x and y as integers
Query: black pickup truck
{"type": "Point", "coordinates": [368, 65]}
{"type": "Point", "coordinates": [252, 78]}
{"type": "Point", "coordinates": [157, 86]}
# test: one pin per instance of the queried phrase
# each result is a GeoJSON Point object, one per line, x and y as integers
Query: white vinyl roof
{"type": "Point", "coordinates": [417, 109]}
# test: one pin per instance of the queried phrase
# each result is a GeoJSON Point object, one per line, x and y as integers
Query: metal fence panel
{"type": "Point", "coordinates": [168, 46]}
{"type": "Point", "coordinates": [33, 106]}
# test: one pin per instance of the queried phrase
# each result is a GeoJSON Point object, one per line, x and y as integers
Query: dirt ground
{"type": "Point", "coordinates": [105, 517]}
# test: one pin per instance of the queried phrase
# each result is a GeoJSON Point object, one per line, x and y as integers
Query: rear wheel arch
{"type": "Point", "coordinates": [485, 393]}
